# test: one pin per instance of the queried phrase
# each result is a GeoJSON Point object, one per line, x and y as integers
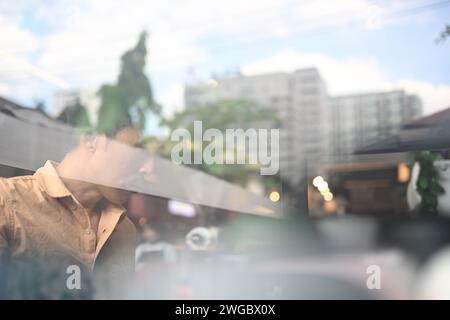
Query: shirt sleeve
{"type": "Point", "coordinates": [3, 228]}
{"type": "Point", "coordinates": [4, 225]}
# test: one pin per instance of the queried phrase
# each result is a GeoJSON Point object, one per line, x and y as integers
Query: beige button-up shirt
{"type": "Point", "coordinates": [40, 219]}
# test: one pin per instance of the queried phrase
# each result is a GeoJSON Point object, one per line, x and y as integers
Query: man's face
{"type": "Point", "coordinates": [115, 164]}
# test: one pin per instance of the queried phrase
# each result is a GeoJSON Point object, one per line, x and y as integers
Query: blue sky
{"type": "Point", "coordinates": [358, 45]}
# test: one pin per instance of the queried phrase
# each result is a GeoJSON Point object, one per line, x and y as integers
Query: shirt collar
{"type": "Point", "coordinates": [50, 181]}
{"type": "Point", "coordinates": [53, 185]}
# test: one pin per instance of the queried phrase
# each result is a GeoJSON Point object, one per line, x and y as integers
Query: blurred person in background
{"type": "Point", "coordinates": [72, 214]}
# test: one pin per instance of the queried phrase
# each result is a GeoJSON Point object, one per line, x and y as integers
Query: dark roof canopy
{"type": "Point", "coordinates": [30, 115]}
{"type": "Point", "coordinates": [439, 118]}
{"type": "Point", "coordinates": [427, 133]}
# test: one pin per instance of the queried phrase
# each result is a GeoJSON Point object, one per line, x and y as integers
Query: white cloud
{"type": "Point", "coordinates": [93, 34]}
{"type": "Point", "coordinates": [14, 39]}
{"type": "Point", "coordinates": [4, 90]}
{"type": "Point", "coordinates": [352, 75]}
{"type": "Point", "coordinates": [435, 96]}
{"type": "Point", "coordinates": [89, 36]}
{"type": "Point", "coordinates": [357, 13]}
{"type": "Point", "coordinates": [322, 12]}
{"type": "Point", "coordinates": [18, 76]}
{"type": "Point", "coordinates": [172, 99]}
{"type": "Point", "coordinates": [16, 43]}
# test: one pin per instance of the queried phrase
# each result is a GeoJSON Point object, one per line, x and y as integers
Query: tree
{"type": "Point", "coordinates": [75, 115]}
{"type": "Point", "coordinates": [428, 183]}
{"type": "Point", "coordinates": [444, 34]}
{"type": "Point", "coordinates": [127, 102]}
{"type": "Point", "coordinates": [225, 114]}
{"type": "Point", "coordinates": [222, 115]}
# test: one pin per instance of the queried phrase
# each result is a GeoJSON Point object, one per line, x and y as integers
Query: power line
{"type": "Point", "coordinates": [206, 24]}
{"type": "Point", "coordinates": [247, 40]}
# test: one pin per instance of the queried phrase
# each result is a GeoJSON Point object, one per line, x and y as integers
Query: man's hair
{"type": "Point", "coordinates": [129, 135]}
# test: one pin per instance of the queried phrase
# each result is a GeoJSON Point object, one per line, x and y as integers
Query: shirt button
{"type": "Point", "coordinates": [87, 232]}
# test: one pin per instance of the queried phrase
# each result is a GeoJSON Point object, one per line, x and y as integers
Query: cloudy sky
{"type": "Point", "coordinates": [358, 45]}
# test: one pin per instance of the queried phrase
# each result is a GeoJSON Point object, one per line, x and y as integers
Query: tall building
{"type": "Point", "coordinates": [299, 98]}
{"type": "Point", "coordinates": [88, 98]}
{"type": "Point", "coordinates": [358, 120]}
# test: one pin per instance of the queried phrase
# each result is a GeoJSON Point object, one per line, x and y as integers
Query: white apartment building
{"type": "Point", "coordinates": [358, 120]}
{"type": "Point", "coordinates": [299, 98]}
{"type": "Point", "coordinates": [88, 98]}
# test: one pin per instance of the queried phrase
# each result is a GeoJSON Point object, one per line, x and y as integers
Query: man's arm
{"type": "Point", "coordinates": [5, 240]}
{"type": "Point", "coordinates": [3, 228]}
{"type": "Point", "coordinates": [3, 251]}
{"type": "Point", "coordinates": [4, 219]}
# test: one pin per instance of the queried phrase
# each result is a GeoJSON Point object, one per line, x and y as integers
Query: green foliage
{"type": "Point", "coordinates": [112, 115]}
{"type": "Point", "coordinates": [444, 34]}
{"type": "Point", "coordinates": [132, 79]}
{"type": "Point", "coordinates": [127, 102]}
{"type": "Point", "coordinates": [76, 115]}
{"type": "Point", "coordinates": [428, 185]}
{"type": "Point", "coordinates": [222, 115]}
